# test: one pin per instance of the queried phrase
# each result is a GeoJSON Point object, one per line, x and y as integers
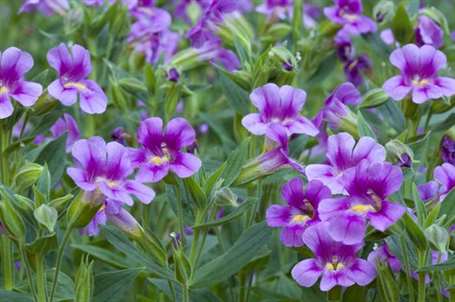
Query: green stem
{"type": "Point", "coordinates": [28, 271]}
{"type": "Point", "coordinates": [334, 295]}
{"type": "Point", "coordinates": [421, 288]}
{"type": "Point", "coordinates": [41, 278]}
{"type": "Point", "coordinates": [297, 22]}
{"type": "Point", "coordinates": [7, 260]}
{"type": "Point", "coordinates": [186, 294]}
{"type": "Point", "coordinates": [58, 263]}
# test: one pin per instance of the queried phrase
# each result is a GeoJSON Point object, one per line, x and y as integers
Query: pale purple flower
{"type": "Point", "coordinates": [276, 8]}
{"type": "Point", "coordinates": [14, 64]}
{"type": "Point", "coordinates": [344, 48]}
{"type": "Point", "coordinates": [46, 7]}
{"type": "Point", "coordinates": [369, 186]}
{"type": "Point", "coordinates": [445, 176]}
{"type": "Point", "coordinates": [354, 69]}
{"type": "Point", "coordinates": [129, 3]}
{"type": "Point", "coordinates": [419, 69]}
{"type": "Point", "coordinates": [278, 106]}
{"type": "Point", "coordinates": [334, 262]}
{"type": "Point", "coordinates": [73, 68]}
{"type": "Point", "coordinates": [348, 13]}
{"type": "Point", "coordinates": [429, 32]}
{"type": "Point", "coordinates": [343, 154]}
{"type": "Point", "coordinates": [335, 108]}
{"type": "Point", "coordinates": [66, 125]}
{"type": "Point", "coordinates": [428, 191]}
{"type": "Point", "coordinates": [387, 36]}
{"type": "Point", "coordinates": [119, 135]}
{"type": "Point", "coordinates": [109, 207]}
{"type": "Point", "coordinates": [383, 255]}
{"type": "Point", "coordinates": [161, 149]}
{"type": "Point", "coordinates": [106, 167]}
{"type": "Point", "coordinates": [311, 13]}
{"type": "Point", "coordinates": [300, 211]}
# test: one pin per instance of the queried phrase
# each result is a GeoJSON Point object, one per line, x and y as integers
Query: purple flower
{"type": "Point", "coordinates": [344, 154]}
{"type": "Point", "coordinates": [14, 64]}
{"type": "Point", "coordinates": [428, 32]}
{"type": "Point", "coordinates": [335, 109]}
{"type": "Point", "coordinates": [348, 13]}
{"type": "Point", "coordinates": [382, 254]}
{"type": "Point", "coordinates": [445, 176]}
{"type": "Point", "coordinates": [68, 125]}
{"type": "Point", "coordinates": [161, 149]}
{"type": "Point", "coordinates": [355, 68]}
{"type": "Point", "coordinates": [300, 211]}
{"type": "Point", "coordinates": [109, 207]}
{"type": "Point", "coordinates": [106, 167]}
{"type": "Point", "coordinates": [448, 149]}
{"type": "Point", "coordinates": [428, 191]}
{"type": "Point", "coordinates": [46, 7]}
{"type": "Point", "coordinates": [275, 8]}
{"type": "Point", "coordinates": [368, 186]}
{"type": "Point", "coordinates": [344, 48]}
{"type": "Point", "coordinates": [73, 68]}
{"type": "Point", "coordinates": [419, 74]}
{"type": "Point", "coordinates": [334, 262]}
{"type": "Point", "coordinates": [278, 106]}
{"type": "Point", "coordinates": [387, 36]}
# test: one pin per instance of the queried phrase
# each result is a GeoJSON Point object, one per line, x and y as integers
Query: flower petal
{"type": "Point", "coordinates": [185, 164]}
{"type": "Point", "coordinates": [306, 272]}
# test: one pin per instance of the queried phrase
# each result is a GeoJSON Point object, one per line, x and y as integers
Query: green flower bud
{"type": "Point", "coordinates": [84, 208]}
{"type": "Point", "coordinates": [27, 176]}
{"type": "Point", "coordinates": [399, 152]}
{"type": "Point", "coordinates": [84, 284]}
{"type": "Point", "coordinates": [384, 11]}
{"type": "Point", "coordinates": [12, 220]}
{"type": "Point", "coordinates": [438, 237]}
{"type": "Point", "coordinates": [225, 197]}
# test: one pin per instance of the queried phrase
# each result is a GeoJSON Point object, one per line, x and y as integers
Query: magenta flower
{"type": "Point", "coordinates": [383, 255]}
{"type": "Point", "coordinates": [428, 32]}
{"type": "Point", "coordinates": [368, 186]}
{"type": "Point", "coordinates": [106, 167]}
{"type": "Point", "coordinates": [14, 64]}
{"type": "Point", "coordinates": [46, 7]}
{"type": "Point", "coordinates": [299, 213]}
{"type": "Point", "coordinates": [419, 74]}
{"type": "Point", "coordinates": [344, 154]}
{"type": "Point", "coordinates": [335, 109]}
{"type": "Point", "coordinates": [73, 69]}
{"type": "Point", "coordinates": [66, 125]}
{"type": "Point", "coordinates": [278, 106]}
{"type": "Point", "coordinates": [161, 149]}
{"type": "Point", "coordinates": [334, 262]}
{"type": "Point", "coordinates": [348, 13]}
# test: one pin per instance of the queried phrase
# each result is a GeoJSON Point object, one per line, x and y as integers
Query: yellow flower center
{"type": "Point", "coordinates": [4, 90]}
{"type": "Point", "coordinates": [334, 266]}
{"type": "Point", "coordinates": [300, 218]}
{"type": "Point", "coordinates": [159, 160]}
{"type": "Point", "coordinates": [420, 82]}
{"type": "Point", "coordinates": [76, 85]}
{"type": "Point", "coordinates": [350, 17]}
{"type": "Point", "coordinates": [112, 183]}
{"type": "Point", "coordinates": [362, 209]}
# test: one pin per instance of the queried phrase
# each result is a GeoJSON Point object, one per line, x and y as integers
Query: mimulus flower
{"type": "Point", "coordinates": [419, 69]}
{"type": "Point", "coordinates": [334, 262]}
{"type": "Point", "coordinates": [275, 8]}
{"type": "Point", "coordinates": [73, 68]}
{"type": "Point", "coordinates": [161, 149]}
{"type": "Point", "coordinates": [109, 207]}
{"type": "Point", "coordinates": [383, 255]}
{"type": "Point", "coordinates": [448, 149]}
{"type": "Point", "coordinates": [46, 7]}
{"type": "Point", "coordinates": [429, 32]}
{"type": "Point", "coordinates": [300, 211]}
{"type": "Point", "coordinates": [14, 64]}
{"type": "Point", "coordinates": [348, 13]}
{"type": "Point", "coordinates": [278, 106]}
{"type": "Point", "coordinates": [445, 176]}
{"type": "Point", "coordinates": [368, 187]}
{"type": "Point", "coordinates": [354, 69]}
{"type": "Point", "coordinates": [106, 167]}
{"type": "Point", "coordinates": [343, 154]}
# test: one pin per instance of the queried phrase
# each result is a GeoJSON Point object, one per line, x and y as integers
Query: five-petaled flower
{"type": "Point", "coordinates": [300, 211]}
{"type": "Point", "coordinates": [336, 262]}
{"type": "Point", "coordinates": [14, 63]}
{"type": "Point", "coordinates": [161, 149]}
{"type": "Point", "coordinates": [348, 13]}
{"type": "Point", "coordinates": [278, 106]}
{"type": "Point", "coordinates": [369, 186]}
{"type": "Point", "coordinates": [73, 68]}
{"type": "Point", "coordinates": [419, 69]}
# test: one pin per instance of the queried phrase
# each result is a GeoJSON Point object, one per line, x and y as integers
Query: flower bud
{"type": "Point", "coordinates": [438, 237]}
{"type": "Point", "coordinates": [225, 197]}
{"type": "Point", "coordinates": [340, 117]}
{"type": "Point", "coordinates": [127, 223]}
{"type": "Point", "coordinates": [11, 220]}
{"type": "Point", "coordinates": [190, 58]}
{"type": "Point", "coordinates": [384, 11]}
{"type": "Point", "coordinates": [400, 153]}
{"type": "Point", "coordinates": [277, 32]}
{"type": "Point", "coordinates": [83, 208]}
{"type": "Point", "coordinates": [236, 28]}
{"type": "Point", "coordinates": [84, 284]}
{"type": "Point", "coordinates": [27, 176]}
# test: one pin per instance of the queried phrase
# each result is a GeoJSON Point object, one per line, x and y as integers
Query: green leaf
{"type": "Point", "coordinates": [446, 266]}
{"type": "Point", "coordinates": [235, 95]}
{"type": "Point", "coordinates": [46, 216]}
{"type": "Point", "coordinates": [363, 127]}
{"type": "Point", "coordinates": [448, 205]}
{"type": "Point", "coordinates": [44, 182]}
{"type": "Point", "coordinates": [9, 296]}
{"type": "Point", "coordinates": [401, 26]}
{"type": "Point", "coordinates": [234, 163]}
{"type": "Point", "coordinates": [415, 232]}
{"type": "Point", "coordinates": [102, 254]}
{"type": "Point", "coordinates": [231, 216]}
{"type": "Point", "coordinates": [54, 155]}
{"type": "Point", "coordinates": [113, 286]}
{"type": "Point", "coordinates": [233, 260]}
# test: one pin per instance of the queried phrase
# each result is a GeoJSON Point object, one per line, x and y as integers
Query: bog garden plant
{"type": "Point", "coordinates": [224, 150]}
